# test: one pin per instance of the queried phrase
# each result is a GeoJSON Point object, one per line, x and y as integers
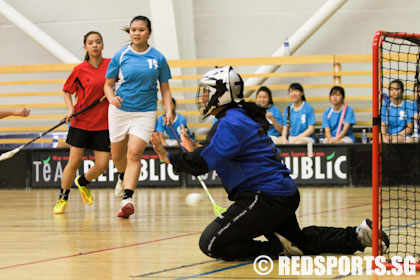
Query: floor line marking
{"type": "Point", "coordinates": [101, 250]}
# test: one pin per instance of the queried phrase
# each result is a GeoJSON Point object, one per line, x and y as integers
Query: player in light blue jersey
{"type": "Point", "coordinates": [332, 116]}
{"type": "Point", "coordinates": [397, 117]}
{"type": "Point", "coordinates": [131, 89]}
{"type": "Point", "coordinates": [274, 117]}
{"type": "Point", "coordinates": [299, 127]}
{"type": "Point", "coordinates": [179, 122]}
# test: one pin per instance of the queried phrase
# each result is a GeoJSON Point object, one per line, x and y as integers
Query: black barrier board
{"type": "Point", "coordinates": [47, 167]}
{"type": "Point", "coordinates": [327, 166]}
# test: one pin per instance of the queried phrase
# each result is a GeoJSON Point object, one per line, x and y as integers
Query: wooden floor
{"type": "Point", "coordinates": [160, 241]}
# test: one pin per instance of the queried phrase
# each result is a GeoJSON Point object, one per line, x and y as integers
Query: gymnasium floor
{"type": "Point", "coordinates": [160, 241]}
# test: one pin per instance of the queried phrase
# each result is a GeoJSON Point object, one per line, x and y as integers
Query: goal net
{"type": "Point", "coordinates": [395, 145]}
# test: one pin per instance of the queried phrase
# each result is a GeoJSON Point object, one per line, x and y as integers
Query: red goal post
{"type": "Point", "coordinates": [395, 55]}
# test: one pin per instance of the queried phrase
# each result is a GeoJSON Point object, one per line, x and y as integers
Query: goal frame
{"type": "Point", "coordinates": [376, 143]}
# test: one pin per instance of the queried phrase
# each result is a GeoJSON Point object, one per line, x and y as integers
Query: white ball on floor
{"type": "Point", "coordinates": [193, 199]}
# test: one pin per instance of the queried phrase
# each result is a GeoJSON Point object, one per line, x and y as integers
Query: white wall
{"type": "Point", "coordinates": [234, 28]}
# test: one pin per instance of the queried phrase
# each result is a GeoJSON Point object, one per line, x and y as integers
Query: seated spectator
{"type": "Point", "coordinates": [397, 117]}
{"type": "Point", "coordinates": [299, 126]}
{"type": "Point", "coordinates": [163, 130]}
{"type": "Point", "coordinates": [273, 115]}
{"type": "Point", "coordinates": [337, 131]}
{"type": "Point", "coordinates": [21, 112]}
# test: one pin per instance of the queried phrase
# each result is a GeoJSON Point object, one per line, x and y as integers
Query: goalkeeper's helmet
{"type": "Point", "coordinates": [219, 87]}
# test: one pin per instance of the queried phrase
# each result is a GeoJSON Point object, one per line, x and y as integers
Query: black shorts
{"type": "Point", "coordinates": [94, 140]}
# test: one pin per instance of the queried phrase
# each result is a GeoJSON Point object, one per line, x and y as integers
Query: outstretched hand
{"type": "Point", "coordinates": [186, 141]}
{"type": "Point", "coordinates": [159, 148]}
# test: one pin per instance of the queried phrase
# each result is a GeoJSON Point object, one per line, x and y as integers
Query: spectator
{"type": "Point", "coordinates": [162, 128]}
{"type": "Point", "coordinates": [274, 117]}
{"type": "Point", "coordinates": [337, 131]}
{"type": "Point", "coordinates": [300, 125]}
{"type": "Point", "coordinates": [397, 116]}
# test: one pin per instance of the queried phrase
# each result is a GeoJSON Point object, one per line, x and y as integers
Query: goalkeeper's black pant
{"type": "Point", "coordinates": [253, 214]}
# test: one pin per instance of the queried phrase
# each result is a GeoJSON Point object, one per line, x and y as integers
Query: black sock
{"type": "Point", "coordinates": [128, 193]}
{"type": "Point", "coordinates": [64, 194]}
{"type": "Point", "coordinates": [121, 176]}
{"type": "Point", "coordinates": [82, 180]}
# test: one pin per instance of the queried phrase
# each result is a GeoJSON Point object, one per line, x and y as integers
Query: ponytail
{"type": "Point", "coordinates": [256, 113]}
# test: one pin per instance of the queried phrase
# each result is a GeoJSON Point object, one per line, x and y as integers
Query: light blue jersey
{"type": "Point", "coordinates": [163, 128]}
{"type": "Point", "coordinates": [301, 119]}
{"type": "Point", "coordinates": [138, 74]}
{"type": "Point", "coordinates": [397, 117]}
{"type": "Point", "coordinates": [331, 119]}
{"type": "Point", "coordinates": [278, 117]}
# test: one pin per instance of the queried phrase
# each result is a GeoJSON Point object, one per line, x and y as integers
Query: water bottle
{"type": "Point", "coordinates": [321, 135]}
{"type": "Point", "coordinates": [364, 137]}
{"type": "Point", "coordinates": [286, 49]}
{"type": "Point", "coordinates": [55, 141]}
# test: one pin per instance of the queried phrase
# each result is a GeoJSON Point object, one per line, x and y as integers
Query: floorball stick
{"type": "Point", "coordinates": [216, 208]}
{"type": "Point", "coordinates": [340, 124]}
{"type": "Point", "coordinates": [11, 153]}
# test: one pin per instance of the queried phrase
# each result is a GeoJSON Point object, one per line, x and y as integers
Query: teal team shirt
{"type": "Point", "coordinates": [331, 119]}
{"type": "Point", "coordinates": [178, 121]}
{"type": "Point", "coordinates": [137, 74]}
{"type": "Point", "coordinates": [301, 119]}
{"type": "Point", "coordinates": [278, 117]}
{"type": "Point", "coordinates": [397, 117]}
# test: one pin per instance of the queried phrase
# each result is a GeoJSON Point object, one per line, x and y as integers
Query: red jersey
{"type": "Point", "coordinates": [88, 84]}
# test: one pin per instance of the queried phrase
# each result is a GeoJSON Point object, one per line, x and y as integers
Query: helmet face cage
{"type": "Point", "coordinates": [202, 98]}
{"type": "Point", "coordinates": [218, 87]}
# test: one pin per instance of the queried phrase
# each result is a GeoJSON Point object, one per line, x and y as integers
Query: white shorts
{"type": "Point", "coordinates": [122, 123]}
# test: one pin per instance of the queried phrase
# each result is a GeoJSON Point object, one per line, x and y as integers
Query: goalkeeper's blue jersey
{"type": "Point", "coordinates": [245, 158]}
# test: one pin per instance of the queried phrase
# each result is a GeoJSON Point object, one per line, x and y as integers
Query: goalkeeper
{"type": "Point", "coordinates": [250, 167]}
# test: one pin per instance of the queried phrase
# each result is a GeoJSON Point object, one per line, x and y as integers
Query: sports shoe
{"type": "Point", "coordinates": [364, 234]}
{"type": "Point", "coordinates": [127, 208]}
{"type": "Point", "coordinates": [289, 248]}
{"type": "Point", "coordinates": [60, 206]}
{"type": "Point", "coordinates": [119, 187]}
{"type": "Point", "coordinates": [84, 192]}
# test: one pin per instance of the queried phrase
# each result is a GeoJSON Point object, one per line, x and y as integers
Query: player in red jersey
{"type": "Point", "coordinates": [88, 130]}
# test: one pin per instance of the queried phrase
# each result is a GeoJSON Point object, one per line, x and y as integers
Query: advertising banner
{"type": "Point", "coordinates": [48, 166]}
{"type": "Point", "coordinates": [327, 165]}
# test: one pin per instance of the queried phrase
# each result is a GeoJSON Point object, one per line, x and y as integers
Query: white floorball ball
{"type": "Point", "coordinates": [193, 199]}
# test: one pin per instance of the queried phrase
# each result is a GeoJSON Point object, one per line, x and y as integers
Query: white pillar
{"type": "Point", "coordinates": [299, 38]}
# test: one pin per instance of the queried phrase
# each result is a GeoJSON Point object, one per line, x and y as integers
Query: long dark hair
{"type": "Point", "coordinates": [85, 39]}
{"type": "Point", "coordinates": [257, 113]}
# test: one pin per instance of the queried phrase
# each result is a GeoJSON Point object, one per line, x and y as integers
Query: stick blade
{"type": "Point", "coordinates": [218, 210]}
{"type": "Point", "coordinates": [9, 154]}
